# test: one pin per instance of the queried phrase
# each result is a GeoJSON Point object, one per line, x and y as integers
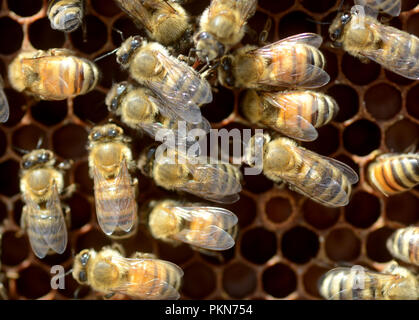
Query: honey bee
{"type": "Point", "coordinates": [203, 227]}
{"type": "Point", "coordinates": [55, 74]}
{"type": "Point", "coordinates": [362, 36]}
{"type": "Point", "coordinates": [391, 7]}
{"type": "Point", "coordinates": [173, 170]}
{"type": "Point", "coordinates": [173, 81]}
{"type": "Point", "coordinates": [291, 62]}
{"type": "Point", "coordinates": [4, 103]}
{"type": "Point", "coordinates": [395, 283]}
{"type": "Point", "coordinates": [222, 26]}
{"type": "Point", "coordinates": [164, 20]}
{"type": "Point", "coordinates": [322, 179]}
{"type": "Point", "coordinates": [296, 114]}
{"type": "Point", "coordinates": [110, 163]}
{"type": "Point", "coordinates": [65, 15]}
{"type": "Point", "coordinates": [394, 173]}
{"type": "Point", "coordinates": [139, 108]}
{"type": "Point", "coordinates": [140, 277]}
{"type": "Point", "coordinates": [404, 244]}
{"type": "Point", "coordinates": [41, 184]}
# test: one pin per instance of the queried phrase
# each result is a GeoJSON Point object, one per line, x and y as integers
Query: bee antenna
{"type": "Point", "coordinates": [120, 33]}
{"type": "Point", "coordinates": [317, 22]}
{"type": "Point", "coordinates": [341, 5]}
{"type": "Point", "coordinates": [22, 151]}
{"type": "Point", "coordinates": [68, 272]}
{"type": "Point", "coordinates": [106, 54]}
{"type": "Point", "coordinates": [40, 141]}
{"type": "Point", "coordinates": [76, 293]}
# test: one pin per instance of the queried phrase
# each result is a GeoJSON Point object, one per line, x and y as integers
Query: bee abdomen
{"type": "Point", "coordinates": [65, 15]}
{"type": "Point", "coordinates": [395, 174]}
{"type": "Point", "coordinates": [325, 109]}
{"type": "Point", "coordinates": [50, 226]}
{"type": "Point", "coordinates": [404, 244]}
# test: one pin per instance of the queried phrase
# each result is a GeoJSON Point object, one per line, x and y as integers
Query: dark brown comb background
{"type": "Point", "coordinates": [285, 241]}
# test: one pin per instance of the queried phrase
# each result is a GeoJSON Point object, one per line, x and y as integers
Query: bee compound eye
{"type": "Point", "coordinates": [345, 18]}
{"type": "Point", "coordinates": [96, 135]}
{"type": "Point", "coordinates": [83, 276]}
{"type": "Point", "coordinates": [123, 58]}
{"type": "Point", "coordinates": [114, 104]}
{"type": "Point", "coordinates": [43, 157]}
{"type": "Point", "coordinates": [112, 132]}
{"type": "Point", "coordinates": [84, 259]}
{"type": "Point", "coordinates": [27, 164]}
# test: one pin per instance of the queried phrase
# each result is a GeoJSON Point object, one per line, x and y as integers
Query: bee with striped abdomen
{"type": "Point", "coordinates": [222, 26]}
{"type": "Point", "coordinates": [404, 244]}
{"type": "Point", "coordinates": [362, 36]}
{"type": "Point", "coordinates": [357, 283]}
{"type": "Point", "coordinates": [291, 62]}
{"type": "Point", "coordinates": [140, 109]}
{"type": "Point", "coordinates": [110, 164]}
{"type": "Point", "coordinates": [172, 80]}
{"type": "Point", "coordinates": [391, 7]}
{"type": "Point", "coordinates": [55, 74]}
{"type": "Point", "coordinates": [174, 170]}
{"type": "Point", "coordinates": [165, 21]}
{"type": "Point", "coordinates": [296, 114]}
{"type": "Point", "coordinates": [394, 173]}
{"type": "Point", "coordinates": [139, 277]}
{"type": "Point", "coordinates": [66, 15]}
{"type": "Point", "coordinates": [41, 184]}
{"type": "Point", "coordinates": [4, 103]}
{"type": "Point", "coordinates": [322, 179]}
{"type": "Point", "coordinates": [205, 228]}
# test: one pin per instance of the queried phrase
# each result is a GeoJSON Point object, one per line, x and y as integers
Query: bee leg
{"type": "Point", "coordinates": [60, 52]}
{"type": "Point", "coordinates": [68, 192]}
{"type": "Point", "coordinates": [263, 36]}
{"type": "Point", "coordinates": [65, 165]}
{"type": "Point", "coordinates": [67, 215]}
{"type": "Point", "coordinates": [118, 247]}
{"type": "Point", "coordinates": [109, 295]}
{"type": "Point", "coordinates": [143, 255]}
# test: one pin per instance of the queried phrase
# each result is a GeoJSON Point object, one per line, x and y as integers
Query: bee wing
{"type": "Point", "coordinates": [398, 57]}
{"type": "Point", "coordinates": [38, 244]}
{"type": "Point", "coordinates": [4, 104]}
{"type": "Point", "coordinates": [308, 38]}
{"type": "Point", "coordinates": [295, 126]}
{"type": "Point", "coordinates": [184, 89]}
{"type": "Point", "coordinates": [392, 8]}
{"type": "Point", "coordinates": [347, 170]}
{"type": "Point", "coordinates": [137, 12]}
{"type": "Point", "coordinates": [212, 235]}
{"type": "Point", "coordinates": [113, 209]}
{"type": "Point", "coordinates": [321, 178]}
{"type": "Point", "coordinates": [158, 288]}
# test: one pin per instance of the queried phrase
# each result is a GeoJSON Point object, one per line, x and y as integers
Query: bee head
{"type": "Point", "coordinates": [337, 27]}
{"type": "Point", "coordinates": [37, 158]}
{"type": "Point", "coordinates": [107, 132]}
{"type": "Point", "coordinates": [115, 95]}
{"type": "Point", "coordinates": [145, 162]}
{"type": "Point", "coordinates": [207, 47]}
{"type": "Point", "coordinates": [80, 266]}
{"type": "Point", "coordinates": [127, 49]}
{"type": "Point", "coordinates": [227, 70]}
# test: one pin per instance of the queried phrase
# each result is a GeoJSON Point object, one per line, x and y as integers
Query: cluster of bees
{"type": "Point", "coordinates": [165, 87]}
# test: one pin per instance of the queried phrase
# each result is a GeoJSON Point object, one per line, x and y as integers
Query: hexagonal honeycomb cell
{"type": "Point", "coordinates": [286, 241]}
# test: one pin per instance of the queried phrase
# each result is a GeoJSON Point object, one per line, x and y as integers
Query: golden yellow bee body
{"type": "Point", "coordinates": [65, 15]}
{"type": "Point", "coordinates": [404, 244]}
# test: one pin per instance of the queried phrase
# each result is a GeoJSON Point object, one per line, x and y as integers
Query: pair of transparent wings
{"type": "Point", "coordinates": [245, 8]}
{"type": "Point", "coordinates": [296, 125]}
{"type": "Point", "coordinates": [213, 235]}
{"type": "Point", "coordinates": [397, 52]}
{"type": "Point", "coordinates": [270, 51]}
{"type": "Point", "coordinates": [4, 103]}
{"type": "Point", "coordinates": [183, 89]}
{"type": "Point", "coordinates": [391, 7]}
{"type": "Point", "coordinates": [46, 227]}
{"type": "Point", "coordinates": [209, 181]}
{"type": "Point", "coordinates": [161, 288]}
{"type": "Point", "coordinates": [112, 211]}
{"type": "Point", "coordinates": [321, 179]}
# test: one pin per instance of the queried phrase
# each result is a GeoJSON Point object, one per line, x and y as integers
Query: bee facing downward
{"type": "Point", "coordinates": [42, 216]}
{"type": "Point", "coordinates": [66, 15]}
{"type": "Point", "coordinates": [140, 277]}
{"type": "Point", "coordinates": [404, 244]}
{"type": "Point", "coordinates": [55, 74]}
{"type": "Point", "coordinates": [140, 109]}
{"type": "Point", "coordinates": [362, 36]}
{"type": "Point", "coordinates": [174, 170]}
{"type": "Point", "coordinates": [291, 62]}
{"type": "Point", "coordinates": [110, 163]}
{"type": "Point", "coordinates": [222, 26]}
{"type": "Point", "coordinates": [320, 178]}
{"type": "Point", "coordinates": [164, 20]}
{"type": "Point", "coordinates": [394, 283]}
{"type": "Point", "coordinates": [296, 114]}
{"type": "Point", "coordinates": [203, 227]}
{"type": "Point", "coordinates": [173, 81]}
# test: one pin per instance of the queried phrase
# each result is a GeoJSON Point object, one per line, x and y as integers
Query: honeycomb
{"type": "Point", "coordinates": [286, 241]}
